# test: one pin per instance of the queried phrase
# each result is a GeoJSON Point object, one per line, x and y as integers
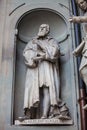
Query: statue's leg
{"type": "Point", "coordinates": [46, 102]}
{"type": "Point", "coordinates": [25, 116]}
{"type": "Point", "coordinates": [83, 73]}
{"type": "Point", "coordinates": [27, 112]}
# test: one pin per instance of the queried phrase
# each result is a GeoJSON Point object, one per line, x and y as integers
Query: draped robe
{"type": "Point", "coordinates": [44, 73]}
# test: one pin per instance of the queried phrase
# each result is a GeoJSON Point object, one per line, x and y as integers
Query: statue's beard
{"type": "Point", "coordinates": [41, 34]}
{"type": "Point", "coordinates": [84, 8]}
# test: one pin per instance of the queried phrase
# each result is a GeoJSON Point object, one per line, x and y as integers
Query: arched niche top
{"type": "Point", "coordinates": [29, 24]}
{"type": "Point", "coordinates": [20, 13]}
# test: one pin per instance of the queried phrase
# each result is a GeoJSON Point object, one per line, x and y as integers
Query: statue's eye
{"type": "Point", "coordinates": [82, 2]}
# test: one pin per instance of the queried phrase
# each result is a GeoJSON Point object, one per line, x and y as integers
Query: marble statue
{"type": "Point", "coordinates": [82, 48]}
{"type": "Point", "coordinates": [42, 85]}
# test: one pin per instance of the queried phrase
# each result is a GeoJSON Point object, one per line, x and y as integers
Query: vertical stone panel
{"type": "Point", "coordinates": [7, 56]}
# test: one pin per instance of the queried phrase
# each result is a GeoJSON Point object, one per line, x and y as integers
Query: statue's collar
{"type": "Point", "coordinates": [45, 37]}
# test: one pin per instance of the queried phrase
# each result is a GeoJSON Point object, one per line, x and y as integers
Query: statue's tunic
{"type": "Point", "coordinates": [84, 56]}
{"type": "Point", "coordinates": [84, 24]}
{"type": "Point", "coordinates": [45, 73]}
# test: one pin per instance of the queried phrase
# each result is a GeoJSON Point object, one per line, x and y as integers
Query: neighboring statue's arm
{"type": "Point", "coordinates": [78, 50]}
{"type": "Point", "coordinates": [78, 19]}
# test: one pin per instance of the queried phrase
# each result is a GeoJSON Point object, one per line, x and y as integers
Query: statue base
{"type": "Point", "coordinates": [28, 122]}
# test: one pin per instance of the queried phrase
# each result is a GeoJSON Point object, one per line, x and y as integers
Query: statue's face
{"type": "Point", "coordinates": [82, 4]}
{"type": "Point", "coordinates": [43, 31]}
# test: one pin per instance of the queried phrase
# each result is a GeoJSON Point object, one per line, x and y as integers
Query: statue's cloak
{"type": "Point", "coordinates": [43, 74]}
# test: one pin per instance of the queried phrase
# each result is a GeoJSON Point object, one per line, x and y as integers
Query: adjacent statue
{"type": "Point", "coordinates": [80, 19]}
{"type": "Point", "coordinates": [42, 85]}
{"type": "Point", "coordinates": [82, 48]}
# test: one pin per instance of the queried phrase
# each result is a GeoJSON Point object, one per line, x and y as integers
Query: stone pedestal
{"type": "Point", "coordinates": [44, 122]}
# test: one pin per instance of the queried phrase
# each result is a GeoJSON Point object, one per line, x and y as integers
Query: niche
{"type": "Point", "coordinates": [27, 29]}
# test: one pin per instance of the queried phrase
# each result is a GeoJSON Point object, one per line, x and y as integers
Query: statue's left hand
{"type": "Point", "coordinates": [74, 19]}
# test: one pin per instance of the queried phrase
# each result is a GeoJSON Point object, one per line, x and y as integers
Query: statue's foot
{"type": "Point", "coordinates": [44, 117]}
{"type": "Point", "coordinates": [61, 117]}
{"type": "Point", "coordinates": [85, 107]}
{"type": "Point", "coordinates": [23, 118]}
{"type": "Point", "coordinates": [51, 116]}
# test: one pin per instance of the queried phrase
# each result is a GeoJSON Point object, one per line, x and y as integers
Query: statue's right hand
{"type": "Point", "coordinates": [74, 53]}
{"type": "Point", "coordinates": [31, 64]}
{"type": "Point", "coordinates": [37, 58]}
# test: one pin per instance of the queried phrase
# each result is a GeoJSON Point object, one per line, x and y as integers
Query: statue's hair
{"type": "Point", "coordinates": [78, 0]}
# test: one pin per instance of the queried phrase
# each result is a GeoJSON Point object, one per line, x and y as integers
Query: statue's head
{"type": "Point", "coordinates": [82, 4]}
{"type": "Point", "coordinates": [43, 30]}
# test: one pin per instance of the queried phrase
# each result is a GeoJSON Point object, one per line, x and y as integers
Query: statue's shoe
{"type": "Point", "coordinates": [23, 118]}
{"type": "Point", "coordinates": [61, 117]}
{"type": "Point", "coordinates": [51, 116]}
{"type": "Point", "coordinates": [85, 107]}
{"type": "Point", "coordinates": [44, 117]}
